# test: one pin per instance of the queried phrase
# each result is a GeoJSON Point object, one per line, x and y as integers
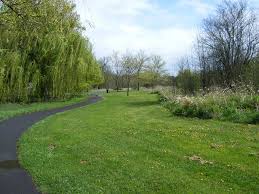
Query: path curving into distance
{"type": "Point", "coordinates": [14, 179]}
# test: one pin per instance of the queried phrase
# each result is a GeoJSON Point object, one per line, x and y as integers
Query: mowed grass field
{"type": "Point", "coordinates": [133, 145]}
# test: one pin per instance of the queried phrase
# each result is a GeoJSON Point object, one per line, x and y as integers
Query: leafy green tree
{"type": "Point", "coordinates": [43, 54]}
{"type": "Point", "coordinates": [117, 69]}
{"type": "Point", "coordinates": [129, 65]}
{"type": "Point", "coordinates": [155, 70]}
{"type": "Point", "coordinates": [141, 60]}
{"type": "Point", "coordinates": [107, 72]}
{"type": "Point", "coordinates": [188, 81]}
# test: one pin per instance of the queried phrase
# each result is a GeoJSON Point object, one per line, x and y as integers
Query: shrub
{"type": "Point", "coordinates": [225, 105]}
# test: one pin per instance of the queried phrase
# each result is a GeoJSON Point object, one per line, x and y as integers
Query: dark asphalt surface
{"type": "Point", "coordinates": [13, 179]}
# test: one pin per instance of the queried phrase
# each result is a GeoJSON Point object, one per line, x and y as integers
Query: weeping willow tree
{"type": "Point", "coordinates": [43, 54]}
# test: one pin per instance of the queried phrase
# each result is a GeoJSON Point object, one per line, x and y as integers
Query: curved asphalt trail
{"type": "Point", "coordinates": [14, 179]}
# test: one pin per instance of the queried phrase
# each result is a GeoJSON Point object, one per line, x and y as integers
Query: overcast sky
{"type": "Point", "coordinates": [164, 27]}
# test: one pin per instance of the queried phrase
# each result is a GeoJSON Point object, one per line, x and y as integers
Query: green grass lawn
{"type": "Point", "coordinates": [133, 145]}
{"type": "Point", "coordinates": [11, 109]}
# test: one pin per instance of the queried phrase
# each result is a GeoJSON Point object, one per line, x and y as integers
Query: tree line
{"type": "Point", "coordinates": [227, 54]}
{"type": "Point", "coordinates": [43, 53]}
{"type": "Point", "coordinates": [133, 70]}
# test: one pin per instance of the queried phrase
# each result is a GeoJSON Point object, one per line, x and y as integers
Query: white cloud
{"type": "Point", "coordinates": [199, 6]}
{"type": "Point", "coordinates": [121, 25]}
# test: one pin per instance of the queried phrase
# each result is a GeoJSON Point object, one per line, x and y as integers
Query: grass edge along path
{"type": "Point", "coordinates": [9, 110]}
{"type": "Point", "coordinates": [133, 145]}
{"type": "Point", "coordinates": [14, 179]}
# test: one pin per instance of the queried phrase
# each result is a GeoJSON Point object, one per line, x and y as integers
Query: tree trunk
{"type": "Point", "coordinates": [117, 85]}
{"type": "Point", "coordinates": [138, 82]}
{"type": "Point", "coordinates": [128, 87]}
{"type": "Point", "coordinates": [107, 86]}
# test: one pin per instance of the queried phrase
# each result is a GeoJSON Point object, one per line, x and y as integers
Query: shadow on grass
{"type": "Point", "coordinates": [142, 103]}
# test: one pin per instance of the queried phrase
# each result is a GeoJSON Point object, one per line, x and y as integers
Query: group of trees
{"type": "Point", "coordinates": [187, 79]}
{"type": "Point", "coordinates": [226, 55]}
{"type": "Point", "coordinates": [132, 70]}
{"type": "Point", "coordinates": [227, 50]}
{"type": "Point", "coordinates": [43, 54]}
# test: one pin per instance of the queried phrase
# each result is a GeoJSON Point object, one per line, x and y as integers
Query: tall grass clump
{"type": "Point", "coordinates": [240, 106]}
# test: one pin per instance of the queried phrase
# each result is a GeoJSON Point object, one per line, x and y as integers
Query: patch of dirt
{"type": "Point", "coordinates": [83, 161]}
{"type": "Point", "coordinates": [215, 146]}
{"type": "Point", "coordinates": [51, 146]}
{"type": "Point", "coordinates": [198, 159]}
{"type": "Point", "coordinates": [256, 154]}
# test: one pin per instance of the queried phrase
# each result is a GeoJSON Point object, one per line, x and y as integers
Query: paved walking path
{"type": "Point", "coordinates": [14, 179]}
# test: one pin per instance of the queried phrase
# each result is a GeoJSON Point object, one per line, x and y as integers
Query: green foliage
{"type": "Point", "coordinates": [251, 73]}
{"type": "Point", "coordinates": [188, 109]}
{"type": "Point", "coordinates": [188, 81]}
{"type": "Point", "coordinates": [43, 54]}
{"type": "Point", "coordinates": [227, 106]}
